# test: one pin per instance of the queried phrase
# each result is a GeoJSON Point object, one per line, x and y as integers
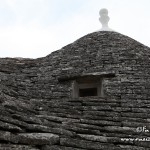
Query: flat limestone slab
{"type": "Point", "coordinates": [38, 138]}
{"type": "Point", "coordinates": [16, 147]}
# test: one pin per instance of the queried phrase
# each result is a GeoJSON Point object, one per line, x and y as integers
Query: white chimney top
{"type": "Point", "coordinates": [104, 19]}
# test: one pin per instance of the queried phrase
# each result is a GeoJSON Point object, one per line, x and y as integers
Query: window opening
{"type": "Point", "coordinates": [85, 87]}
{"type": "Point", "coordinates": [88, 92]}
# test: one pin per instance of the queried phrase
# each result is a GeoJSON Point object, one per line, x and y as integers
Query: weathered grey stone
{"type": "Point", "coordinates": [129, 147]}
{"type": "Point", "coordinates": [9, 127]}
{"type": "Point", "coordinates": [8, 137]}
{"type": "Point", "coordinates": [36, 96]}
{"type": "Point", "coordinates": [94, 138]}
{"type": "Point", "coordinates": [38, 138]}
{"type": "Point", "coordinates": [46, 129]}
{"type": "Point", "coordinates": [16, 147]}
{"type": "Point", "coordinates": [56, 147]}
{"type": "Point", "coordinates": [87, 144]}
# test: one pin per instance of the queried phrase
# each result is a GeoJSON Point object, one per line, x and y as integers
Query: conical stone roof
{"type": "Point", "coordinates": [106, 52]}
{"type": "Point", "coordinates": [39, 112]}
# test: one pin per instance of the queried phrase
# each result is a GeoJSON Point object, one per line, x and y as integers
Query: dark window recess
{"type": "Point", "coordinates": [88, 92]}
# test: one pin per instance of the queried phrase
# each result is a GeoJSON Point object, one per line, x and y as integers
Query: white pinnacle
{"type": "Point", "coordinates": [104, 19]}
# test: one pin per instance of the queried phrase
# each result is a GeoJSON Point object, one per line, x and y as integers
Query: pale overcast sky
{"type": "Point", "coordinates": [35, 28]}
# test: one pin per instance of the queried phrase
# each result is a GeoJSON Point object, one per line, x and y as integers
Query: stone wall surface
{"type": "Point", "coordinates": [38, 111]}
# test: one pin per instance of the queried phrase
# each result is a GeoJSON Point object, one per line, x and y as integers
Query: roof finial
{"type": "Point", "coordinates": [104, 19]}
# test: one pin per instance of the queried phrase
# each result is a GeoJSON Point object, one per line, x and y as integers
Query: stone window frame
{"type": "Point", "coordinates": [98, 78]}
{"type": "Point", "coordinates": [76, 86]}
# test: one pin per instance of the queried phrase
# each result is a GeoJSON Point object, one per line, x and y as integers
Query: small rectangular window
{"type": "Point", "coordinates": [85, 87]}
{"type": "Point", "coordinates": [87, 84]}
